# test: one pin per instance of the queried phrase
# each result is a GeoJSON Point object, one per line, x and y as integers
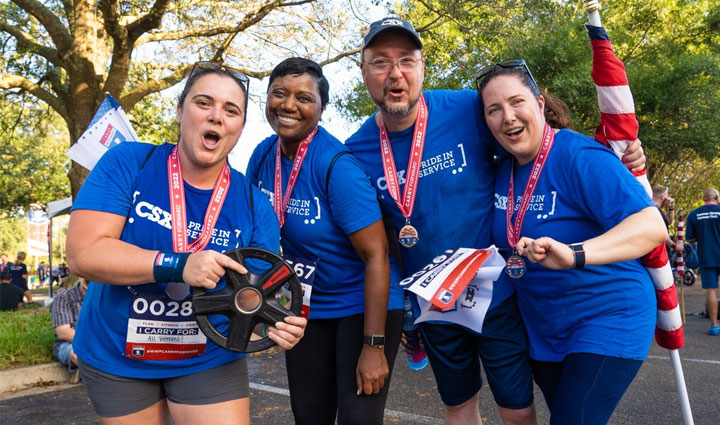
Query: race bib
{"type": "Point", "coordinates": [160, 328]}
{"type": "Point", "coordinates": [305, 271]}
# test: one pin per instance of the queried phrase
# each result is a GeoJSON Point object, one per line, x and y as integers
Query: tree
{"type": "Point", "coordinates": [671, 49]}
{"type": "Point", "coordinates": [31, 159]}
{"type": "Point", "coordinates": [68, 54]}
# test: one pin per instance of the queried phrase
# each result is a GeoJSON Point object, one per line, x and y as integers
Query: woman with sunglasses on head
{"type": "Point", "coordinates": [141, 354]}
{"type": "Point", "coordinates": [581, 220]}
{"type": "Point", "coordinates": [331, 228]}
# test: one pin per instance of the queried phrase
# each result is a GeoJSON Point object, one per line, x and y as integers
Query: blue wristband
{"type": "Point", "coordinates": [169, 266]}
{"type": "Point", "coordinates": [579, 253]}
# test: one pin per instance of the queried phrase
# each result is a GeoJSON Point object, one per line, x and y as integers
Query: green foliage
{"type": "Point", "coordinates": [154, 119]}
{"type": "Point", "coordinates": [13, 235]}
{"type": "Point", "coordinates": [26, 337]}
{"type": "Point", "coordinates": [32, 162]}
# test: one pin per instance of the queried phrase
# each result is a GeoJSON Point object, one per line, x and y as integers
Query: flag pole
{"type": "Point", "coordinates": [592, 9]}
{"type": "Point", "coordinates": [682, 389]}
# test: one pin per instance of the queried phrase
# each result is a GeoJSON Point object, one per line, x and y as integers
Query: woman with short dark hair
{"type": "Point", "coordinates": [331, 228]}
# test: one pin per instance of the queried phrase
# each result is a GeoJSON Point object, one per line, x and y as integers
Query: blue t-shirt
{"type": "Point", "coordinates": [703, 224]}
{"type": "Point", "coordinates": [318, 221]}
{"type": "Point", "coordinates": [120, 184]}
{"type": "Point", "coordinates": [454, 194]}
{"type": "Point", "coordinates": [583, 191]}
{"type": "Point", "coordinates": [16, 275]}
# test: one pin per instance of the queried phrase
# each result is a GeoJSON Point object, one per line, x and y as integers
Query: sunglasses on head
{"type": "Point", "coordinates": [508, 63]}
{"type": "Point", "coordinates": [214, 66]}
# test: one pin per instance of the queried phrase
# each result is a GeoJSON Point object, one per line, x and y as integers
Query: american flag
{"type": "Point", "coordinates": [618, 127]}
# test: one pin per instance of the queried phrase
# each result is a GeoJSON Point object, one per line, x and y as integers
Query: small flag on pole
{"type": "Point", "coordinates": [108, 127]}
{"type": "Point", "coordinates": [37, 232]}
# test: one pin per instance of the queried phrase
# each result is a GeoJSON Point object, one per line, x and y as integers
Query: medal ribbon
{"type": "Point", "coordinates": [513, 231]}
{"type": "Point", "coordinates": [414, 162]}
{"type": "Point", "coordinates": [280, 204]}
{"type": "Point", "coordinates": [177, 206]}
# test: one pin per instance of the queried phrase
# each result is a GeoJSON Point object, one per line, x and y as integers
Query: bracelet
{"type": "Point", "coordinates": [671, 209]}
{"type": "Point", "coordinates": [169, 266]}
{"type": "Point", "coordinates": [579, 254]}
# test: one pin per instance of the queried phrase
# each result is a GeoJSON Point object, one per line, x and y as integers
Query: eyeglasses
{"type": "Point", "coordinates": [214, 66]}
{"type": "Point", "coordinates": [381, 66]}
{"type": "Point", "coordinates": [508, 63]}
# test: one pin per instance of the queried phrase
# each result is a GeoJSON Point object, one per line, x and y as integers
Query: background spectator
{"type": "Point", "coordinates": [703, 225]}
{"type": "Point", "coordinates": [3, 261]}
{"type": "Point", "coordinates": [42, 273]}
{"type": "Point", "coordinates": [65, 313]}
{"type": "Point", "coordinates": [665, 203]}
{"type": "Point", "coordinates": [19, 275]}
{"type": "Point", "coordinates": [10, 295]}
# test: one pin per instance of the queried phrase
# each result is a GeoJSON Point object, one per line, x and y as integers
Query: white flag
{"type": "Point", "coordinates": [37, 232]}
{"type": "Point", "coordinates": [108, 127]}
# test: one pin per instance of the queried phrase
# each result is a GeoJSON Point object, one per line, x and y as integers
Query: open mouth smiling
{"type": "Point", "coordinates": [211, 138]}
{"type": "Point", "coordinates": [287, 120]}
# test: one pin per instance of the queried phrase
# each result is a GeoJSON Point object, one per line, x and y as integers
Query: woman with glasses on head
{"type": "Point", "coordinates": [144, 229]}
{"type": "Point", "coordinates": [577, 221]}
{"type": "Point", "coordinates": [331, 229]}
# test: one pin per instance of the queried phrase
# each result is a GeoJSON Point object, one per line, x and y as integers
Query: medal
{"type": "Point", "coordinates": [515, 267]}
{"type": "Point", "coordinates": [179, 290]}
{"type": "Point", "coordinates": [408, 235]}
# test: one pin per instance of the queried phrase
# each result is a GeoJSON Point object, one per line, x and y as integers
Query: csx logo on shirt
{"type": "Point", "coordinates": [154, 214]}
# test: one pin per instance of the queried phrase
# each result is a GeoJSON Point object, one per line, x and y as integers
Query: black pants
{"type": "Point", "coordinates": [321, 372]}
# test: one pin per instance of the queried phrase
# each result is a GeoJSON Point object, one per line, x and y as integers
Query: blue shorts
{"type": "Point", "coordinates": [709, 277]}
{"type": "Point", "coordinates": [584, 388]}
{"type": "Point", "coordinates": [455, 352]}
{"type": "Point", "coordinates": [62, 354]}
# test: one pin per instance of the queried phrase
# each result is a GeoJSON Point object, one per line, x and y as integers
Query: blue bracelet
{"type": "Point", "coordinates": [169, 266]}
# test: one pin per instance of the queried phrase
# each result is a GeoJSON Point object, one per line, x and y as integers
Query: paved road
{"type": "Point", "coordinates": [413, 399]}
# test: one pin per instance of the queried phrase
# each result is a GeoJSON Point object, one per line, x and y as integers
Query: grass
{"type": "Point", "coordinates": [26, 337]}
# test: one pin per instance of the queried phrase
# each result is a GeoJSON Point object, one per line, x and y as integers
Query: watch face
{"type": "Point", "coordinates": [375, 341]}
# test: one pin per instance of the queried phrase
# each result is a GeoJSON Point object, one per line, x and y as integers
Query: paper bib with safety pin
{"type": "Point", "coordinates": [160, 328]}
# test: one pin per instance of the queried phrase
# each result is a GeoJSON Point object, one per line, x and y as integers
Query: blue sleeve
{"type": "Point", "coordinates": [253, 168]}
{"type": "Point", "coordinates": [109, 187]}
{"type": "Point", "coordinates": [259, 156]}
{"type": "Point", "coordinates": [606, 190]}
{"type": "Point", "coordinates": [491, 146]}
{"type": "Point", "coordinates": [266, 229]}
{"type": "Point", "coordinates": [690, 226]}
{"type": "Point", "coordinates": [353, 201]}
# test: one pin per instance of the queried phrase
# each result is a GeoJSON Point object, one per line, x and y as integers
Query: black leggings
{"type": "Point", "coordinates": [321, 372]}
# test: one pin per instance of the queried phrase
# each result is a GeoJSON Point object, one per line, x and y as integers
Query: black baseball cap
{"type": "Point", "coordinates": [391, 23]}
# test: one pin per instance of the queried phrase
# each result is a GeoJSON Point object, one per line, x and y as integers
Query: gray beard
{"type": "Point", "coordinates": [399, 111]}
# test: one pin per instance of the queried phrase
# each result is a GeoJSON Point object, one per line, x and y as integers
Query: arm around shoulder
{"type": "Point", "coordinates": [632, 238]}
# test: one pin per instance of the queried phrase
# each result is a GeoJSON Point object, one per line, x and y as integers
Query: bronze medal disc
{"type": "Point", "coordinates": [408, 236]}
{"type": "Point", "coordinates": [515, 267]}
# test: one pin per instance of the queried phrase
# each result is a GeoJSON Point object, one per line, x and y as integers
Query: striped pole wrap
{"type": "Point", "coordinates": [680, 237]}
{"type": "Point", "coordinates": [618, 128]}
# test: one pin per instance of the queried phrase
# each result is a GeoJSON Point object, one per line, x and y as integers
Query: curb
{"type": "Point", "coordinates": [23, 377]}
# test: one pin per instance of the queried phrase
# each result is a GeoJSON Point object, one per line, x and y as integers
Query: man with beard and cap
{"type": "Point", "coordinates": [450, 148]}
